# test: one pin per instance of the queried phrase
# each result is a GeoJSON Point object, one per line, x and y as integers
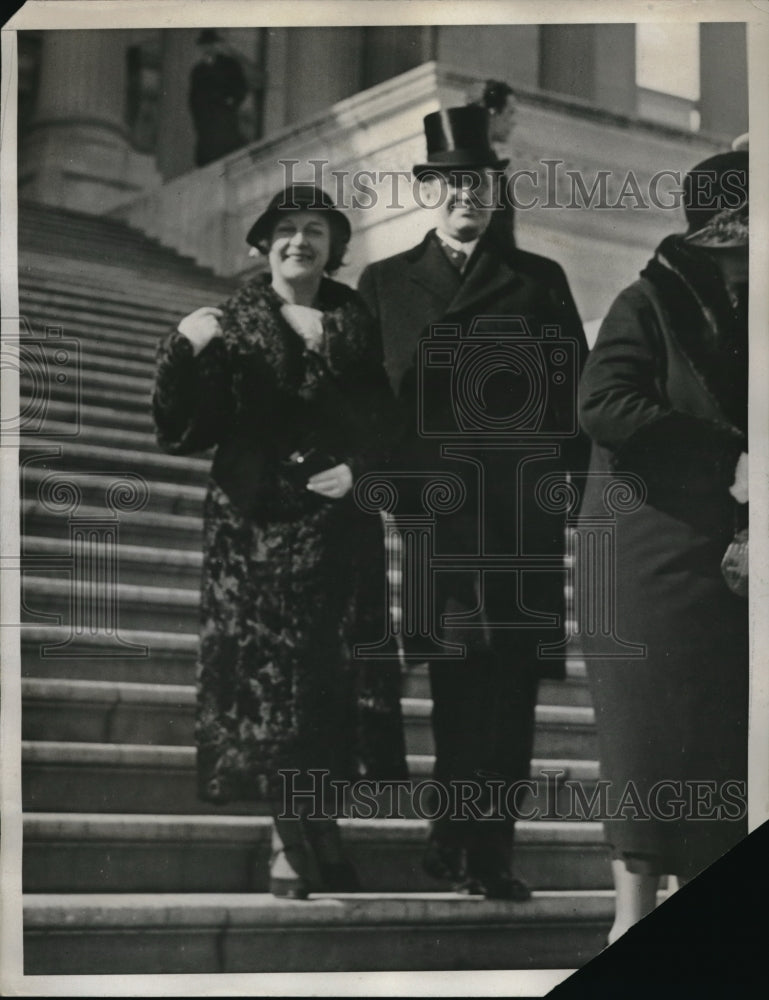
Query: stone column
{"type": "Point", "coordinates": [723, 79]}
{"type": "Point", "coordinates": [323, 66]}
{"type": "Point", "coordinates": [614, 86]}
{"type": "Point", "coordinates": [175, 152]}
{"type": "Point", "coordinates": [77, 153]}
{"type": "Point", "coordinates": [567, 59]}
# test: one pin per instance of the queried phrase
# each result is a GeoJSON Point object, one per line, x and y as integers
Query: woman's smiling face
{"type": "Point", "coordinates": [300, 246]}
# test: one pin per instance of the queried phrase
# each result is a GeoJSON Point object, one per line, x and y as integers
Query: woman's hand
{"type": "Point", "coordinates": [739, 488]}
{"type": "Point", "coordinates": [201, 326]}
{"type": "Point", "coordinates": [333, 483]}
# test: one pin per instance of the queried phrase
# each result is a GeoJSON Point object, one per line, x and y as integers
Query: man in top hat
{"type": "Point", "coordinates": [494, 404]}
{"type": "Point", "coordinates": [217, 89]}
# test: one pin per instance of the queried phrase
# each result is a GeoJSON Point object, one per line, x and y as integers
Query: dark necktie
{"type": "Point", "coordinates": [458, 258]}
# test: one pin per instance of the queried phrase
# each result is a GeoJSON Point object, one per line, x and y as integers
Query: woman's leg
{"type": "Point", "coordinates": [292, 872]}
{"type": "Point", "coordinates": [636, 896]}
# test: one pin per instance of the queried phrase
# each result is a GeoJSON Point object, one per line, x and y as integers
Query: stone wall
{"type": "Point", "coordinates": [601, 240]}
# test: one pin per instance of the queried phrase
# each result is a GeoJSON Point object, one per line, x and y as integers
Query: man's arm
{"type": "Point", "coordinates": [368, 291]}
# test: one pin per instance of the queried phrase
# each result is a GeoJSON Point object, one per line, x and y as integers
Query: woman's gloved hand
{"type": "Point", "coordinates": [739, 488]}
{"type": "Point", "coordinates": [333, 483]}
{"type": "Point", "coordinates": [201, 326]}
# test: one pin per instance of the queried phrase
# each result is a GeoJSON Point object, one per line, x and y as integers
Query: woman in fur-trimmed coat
{"type": "Point", "coordinates": [286, 382]}
{"type": "Point", "coordinates": [664, 399]}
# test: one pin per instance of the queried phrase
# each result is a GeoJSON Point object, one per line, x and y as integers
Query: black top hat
{"type": "Point", "coordinates": [295, 197]}
{"type": "Point", "coordinates": [458, 138]}
{"type": "Point", "coordinates": [208, 36]}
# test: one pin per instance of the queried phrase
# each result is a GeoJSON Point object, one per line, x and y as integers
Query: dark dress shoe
{"type": "Point", "coordinates": [443, 861]}
{"type": "Point", "coordinates": [498, 886]}
{"type": "Point", "coordinates": [289, 888]}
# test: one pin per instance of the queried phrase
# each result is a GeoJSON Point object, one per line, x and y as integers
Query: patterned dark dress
{"type": "Point", "coordinates": [291, 580]}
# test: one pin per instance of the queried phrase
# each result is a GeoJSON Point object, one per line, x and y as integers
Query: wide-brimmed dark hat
{"type": "Point", "coordinates": [457, 139]}
{"type": "Point", "coordinates": [718, 184]}
{"type": "Point", "coordinates": [294, 198]}
{"type": "Point", "coordinates": [716, 201]}
{"type": "Point", "coordinates": [208, 36]}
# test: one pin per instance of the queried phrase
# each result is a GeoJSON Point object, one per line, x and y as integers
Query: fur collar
{"type": "Point", "coordinates": [709, 328]}
{"type": "Point", "coordinates": [254, 326]}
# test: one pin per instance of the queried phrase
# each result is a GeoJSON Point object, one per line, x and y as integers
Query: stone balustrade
{"type": "Point", "coordinates": [599, 188]}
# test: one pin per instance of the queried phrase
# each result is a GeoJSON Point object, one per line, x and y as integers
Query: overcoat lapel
{"type": "Point", "coordinates": [488, 274]}
{"type": "Point", "coordinates": [436, 279]}
{"type": "Point", "coordinates": [440, 288]}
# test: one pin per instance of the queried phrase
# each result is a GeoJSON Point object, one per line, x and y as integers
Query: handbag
{"type": "Point", "coordinates": [734, 565]}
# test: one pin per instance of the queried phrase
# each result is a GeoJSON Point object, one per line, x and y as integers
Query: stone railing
{"type": "Point", "coordinates": [207, 212]}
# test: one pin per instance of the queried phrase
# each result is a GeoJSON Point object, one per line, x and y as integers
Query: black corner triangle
{"type": "Point", "coordinates": [711, 938]}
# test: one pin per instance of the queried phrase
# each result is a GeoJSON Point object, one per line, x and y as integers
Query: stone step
{"type": "Point", "coordinates": [103, 417]}
{"type": "Point", "coordinates": [88, 242]}
{"type": "Point", "coordinates": [135, 853]}
{"type": "Point", "coordinates": [50, 592]}
{"type": "Point", "coordinates": [136, 564]}
{"type": "Point", "coordinates": [94, 388]}
{"type": "Point", "coordinates": [46, 598]}
{"type": "Point", "coordinates": [166, 469]}
{"type": "Point", "coordinates": [152, 714]}
{"type": "Point", "coordinates": [171, 660]}
{"type": "Point", "coordinates": [135, 337]}
{"type": "Point", "coordinates": [51, 290]}
{"type": "Point", "coordinates": [46, 225]}
{"type": "Point", "coordinates": [50, 221]}
{"type": "Point", "coordinates": [142, 657]}
{"type": "Point", "coordinates": [94, 355]}
{"type": "Point", "coordinates": [140, 387]}
{"type": "Point", "coordinates": [98, 493]}
{"type": "Point", "coordinates": [113, 934]}
{"type": "Point", "coordinates": [110, 778]}
{"type": "Point", "coordinates": [162, 524]}
{"type": "Point", "coordinates": [128, 712]}
{"type": "Point", "coordinates": [152, 287]}
{"type": "Point", "coordinates": [90, 433]}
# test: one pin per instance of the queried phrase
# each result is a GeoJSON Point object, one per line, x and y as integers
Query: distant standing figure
{"type": "Point", "coordinates": [498, 100]}
{"type": "Point", "coordinates": [217, 89]}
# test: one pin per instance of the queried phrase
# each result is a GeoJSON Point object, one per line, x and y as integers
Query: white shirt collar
{"type": "Point", "coordinates": [456, 245]}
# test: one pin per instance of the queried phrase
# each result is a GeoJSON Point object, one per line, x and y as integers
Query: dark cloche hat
{"type": "Point", "coordinates": [458, 138]}
{"type": "Point", "coordinates": [208, 36]}
{"type": "Point", "coordinates": [716, 184]}
{"type": "Point", "coordinates": [293, 198]}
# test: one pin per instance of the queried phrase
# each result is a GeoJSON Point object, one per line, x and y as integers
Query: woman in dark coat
{"type": "Point", "coordinates": [664, 399]}
{"type": "Point", "coordinates": [286, 382]}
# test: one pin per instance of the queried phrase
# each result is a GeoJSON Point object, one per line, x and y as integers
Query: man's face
{"type": "Point", "coordinates": [463, 200]}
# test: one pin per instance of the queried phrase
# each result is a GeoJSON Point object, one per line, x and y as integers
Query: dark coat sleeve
{"type": "Point", "coordinates": [367, 291]}
{"type": "Point", "coordinates": [576, 449]}
{"type": "Point", "coordinates": [192, 400]}
{"type": "Point", "coordinates": [373, 408]}
{"type": "Point", "coordinates": [625, 408]}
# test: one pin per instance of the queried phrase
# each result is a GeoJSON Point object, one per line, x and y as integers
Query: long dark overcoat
{"type": "Point", "coordinates": [290, 580]}
{"type": "Point", "coordinates": [483, 709]}
{"type": "Point", "coordinates": [664, 397]}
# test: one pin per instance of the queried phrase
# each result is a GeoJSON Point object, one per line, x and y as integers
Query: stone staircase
{"type": "Point", "coordinates": [124, 870]}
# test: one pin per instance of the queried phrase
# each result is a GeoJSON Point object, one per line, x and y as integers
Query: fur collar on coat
{"type": "Point", "coordinates": [253, 324]}
{"type": "Point", "coordinates": [710, 329]}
